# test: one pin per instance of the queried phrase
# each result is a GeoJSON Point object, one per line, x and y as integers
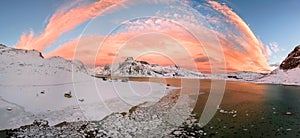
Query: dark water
{"type": "Point", "coordinates": [262, 110]}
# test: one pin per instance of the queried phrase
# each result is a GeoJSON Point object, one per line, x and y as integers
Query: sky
{"type": "Point", "coordinates": [259, 32]}
{"type": "Point", "coordinates": [273, 21]}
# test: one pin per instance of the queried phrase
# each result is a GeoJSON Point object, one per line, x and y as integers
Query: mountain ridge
{"type": "Point", "coordinates": [135, 68]}
{"type": "Point", "coordinates": [288, 72]}
{"type": "Point", "coordinates": [25, 66]}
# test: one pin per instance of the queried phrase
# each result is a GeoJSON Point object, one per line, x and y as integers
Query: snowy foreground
{"type": "Point", "coordinates": [57, 90]}
{"type": "Point", "coordinates": [155, 120]}
{"type": "Point", "coordinates": [57, 98]}
{"type": "Point", "coordinates": [21, 105]}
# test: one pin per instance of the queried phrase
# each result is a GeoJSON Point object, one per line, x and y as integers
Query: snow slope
{"type": "Point", "coordinates": [34, 88]}
{"type": "Point", "coordinates": [278, 76]}
{"type": "Point", "coordinates": [288, 71]}
{"type": "Point", "coordinates": [23, 67]}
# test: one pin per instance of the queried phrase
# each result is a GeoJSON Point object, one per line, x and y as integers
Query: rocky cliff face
{"type": "Point", "coordinates": [292, 61]}
{"type": "Point", "coordinates": [288, 72]}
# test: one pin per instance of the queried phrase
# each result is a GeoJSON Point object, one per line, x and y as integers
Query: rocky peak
{"type": "Point", "coordinates": [292, 61]}
{"type": "Point", "coordinates": [132, 67]}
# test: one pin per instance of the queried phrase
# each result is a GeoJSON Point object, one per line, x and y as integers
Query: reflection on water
{"type": "Point", "coordinates": [247, 109]}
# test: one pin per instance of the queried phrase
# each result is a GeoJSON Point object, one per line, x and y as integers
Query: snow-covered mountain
{"type": "Point", "coordinates": [134, 68]}
{"type": "Point", "coordinates": [288, 71]}
{"type": "Point", "coordinates": [23, 67]}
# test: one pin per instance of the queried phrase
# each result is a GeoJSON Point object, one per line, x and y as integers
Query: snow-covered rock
{"type": "Point", "coordinates": [288, 71]}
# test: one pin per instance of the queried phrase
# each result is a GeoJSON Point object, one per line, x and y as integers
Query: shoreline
{"type": "Point", "coordinates": [229, 80]}
{"type": "Point", "coordinates": [235, 117]}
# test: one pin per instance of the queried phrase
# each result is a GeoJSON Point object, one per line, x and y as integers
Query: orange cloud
{"type": "Point", "coordinates": [172, 41]}
{"type": "Point", "coordinates": [163, 42]}
{"type": "Point", "coordinates": [86, 48]}
{"type": "Point", "coordinates": [62, 22]}
{"type": "Point", "coordinates": [160, 36]}
{"type": "Point", "coordinates": [254, 48]}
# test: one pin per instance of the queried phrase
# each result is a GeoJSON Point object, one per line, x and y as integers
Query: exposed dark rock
{"type": "Point", "coordinates": [68, 94]}
{"type": "Point", "coordinates": [233, 77]}
{"type": "Point", "coordinates": [107, 67]}
{"type": "Point", "coordinates": [81, 100]}
{"type": "Point", "coordinates": [2, 46]}
{"type": "Point", "coordinates": [292, 61]}
{"type": "Point", "coordinates": [144, 62]}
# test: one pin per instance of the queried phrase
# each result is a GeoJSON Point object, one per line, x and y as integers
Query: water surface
{"type": "Point", "coordinates": [247, 109]}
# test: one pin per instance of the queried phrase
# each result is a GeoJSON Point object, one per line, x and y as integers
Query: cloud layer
{"type": "Point", "coordinates": [238, 45]}
{"type": "Point", "coordinates": [63, 21]}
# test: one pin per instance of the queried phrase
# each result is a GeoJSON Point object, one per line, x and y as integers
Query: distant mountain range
{"type": "Point", "coordinates": [134, 68]}
{"type": "Point", "coordinates": [18, 63]}
{"type": "Point", "coordinates": [287, 73]}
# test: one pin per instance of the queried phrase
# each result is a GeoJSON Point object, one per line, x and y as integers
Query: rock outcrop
{"type": "Point", "coordinates": [292, 61]}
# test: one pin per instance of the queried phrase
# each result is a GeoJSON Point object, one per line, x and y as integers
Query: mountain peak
{"type": "Point", "coordinates": [292, 61]}
{"type": "Point", "coordinates": [135, 68]}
